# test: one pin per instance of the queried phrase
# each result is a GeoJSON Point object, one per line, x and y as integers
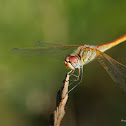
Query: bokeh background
{"type": "Point", "coordinates": [28, 85]}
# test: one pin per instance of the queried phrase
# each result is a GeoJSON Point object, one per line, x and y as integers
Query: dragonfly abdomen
{"type": "Point", "coordinates": [109, 45]}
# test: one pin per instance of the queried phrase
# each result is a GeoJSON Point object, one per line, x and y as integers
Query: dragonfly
{"type": "Point", "coordinates": [82, 56]}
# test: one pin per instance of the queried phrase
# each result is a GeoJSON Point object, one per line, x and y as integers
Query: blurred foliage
{"type": "Point", "coordinates": [29, 84]}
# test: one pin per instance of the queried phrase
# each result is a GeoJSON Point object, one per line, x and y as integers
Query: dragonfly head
{"type": "Point", "coordinates": [71, 62]}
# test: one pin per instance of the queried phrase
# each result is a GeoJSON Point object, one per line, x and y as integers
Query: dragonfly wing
{"type": "Point", "coordinates": [41, 50]}
{"type": "Point", "coordinates": [115, 69]}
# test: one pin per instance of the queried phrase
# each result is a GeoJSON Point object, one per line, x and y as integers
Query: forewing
{"type": "Point", "coordinates": [39, 50]}
{"type": "Point", "coordinates": [115, 69]}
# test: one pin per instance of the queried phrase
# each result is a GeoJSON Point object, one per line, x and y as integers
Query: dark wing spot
{"type": "Point", "coordinates": [15, 49]}
{"type": "Point", "coordinates": [38, 43]}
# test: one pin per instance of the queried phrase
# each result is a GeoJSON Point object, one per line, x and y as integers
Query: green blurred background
{"type": "Point", "coordinates": [28, 85]}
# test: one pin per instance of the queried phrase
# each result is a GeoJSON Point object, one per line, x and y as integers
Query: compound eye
{"type": "Point", "coordinates": [67, 59]}
{"type": "Point", "coordinates": [73, 60]}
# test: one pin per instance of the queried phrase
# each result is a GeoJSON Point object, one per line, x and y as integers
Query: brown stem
{"type": "Point", "coordinates": [62, 97]}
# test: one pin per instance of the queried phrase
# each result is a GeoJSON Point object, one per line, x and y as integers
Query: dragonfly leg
{"type": "Point", "coordinates": [70, 73]}
{"type": "Point", "coordinates": [72, 81]}
{"type": "Point", "coordinates": [74, 87]}
{"type": "Point", "coordinates": [77, 77]}
{"type": "Point", "coordinates": [80, 79]}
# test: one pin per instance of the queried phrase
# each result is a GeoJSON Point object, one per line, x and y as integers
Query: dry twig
{"type": "Point", "coordinates": [62, 97]}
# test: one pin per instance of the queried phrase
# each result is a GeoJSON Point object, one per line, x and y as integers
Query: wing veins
{"type": "Point", "coordinates": [41, 50]}
{"type": "Point", "coordinates": [115, 69]}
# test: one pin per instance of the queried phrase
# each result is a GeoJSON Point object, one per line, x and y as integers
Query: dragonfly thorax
{"type": "Point", "coordinates": [71, 62]}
